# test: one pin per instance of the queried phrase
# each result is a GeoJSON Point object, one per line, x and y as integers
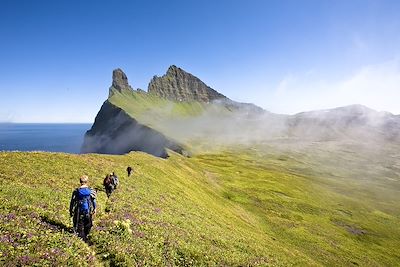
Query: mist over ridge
{"type": "Point", "coordinates": [185, 111]}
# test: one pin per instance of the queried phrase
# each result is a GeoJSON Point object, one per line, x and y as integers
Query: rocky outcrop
{"type": "Point", "coordinates": [119, 82]}
{"type": "Point", "coordinates": [180, 85]}
{"type": "Point", "coordinates": [115, 132]}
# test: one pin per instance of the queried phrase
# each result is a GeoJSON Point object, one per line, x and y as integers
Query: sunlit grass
{"type": "Point", "coordinates": [232, 208]}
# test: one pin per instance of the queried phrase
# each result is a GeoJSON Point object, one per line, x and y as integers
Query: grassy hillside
{"type": "Point", "coordinates": [200, 126]}
{"type": "Point", "coordinates": [150, 109]}
{"type": "Point", "coordinates": [157, 112]}
{"type": "Point", "coordinates": [234, 208]}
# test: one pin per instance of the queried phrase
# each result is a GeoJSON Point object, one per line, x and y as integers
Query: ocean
{"type": "Point", "coordinates": [52, 137]}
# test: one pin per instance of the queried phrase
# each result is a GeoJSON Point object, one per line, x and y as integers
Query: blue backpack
{"type": "Point", "coordinates": [84, 200]}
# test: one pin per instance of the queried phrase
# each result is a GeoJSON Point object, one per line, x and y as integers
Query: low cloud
{"type": "Point", "coordinates": [376, 86]}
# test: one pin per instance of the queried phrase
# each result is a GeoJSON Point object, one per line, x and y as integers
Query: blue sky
{"type": "Point", "coordinates": [57, 57]}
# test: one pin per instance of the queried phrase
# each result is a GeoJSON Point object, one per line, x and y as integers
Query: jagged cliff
{"type": "Point", "coordinates": [114, 131]}
{"type": "Point", "coordinates": [180, 85]}
{"type": "Point", "coordinates": [125, 124]}
{"type": "Point", "coordinates": [119, 82]}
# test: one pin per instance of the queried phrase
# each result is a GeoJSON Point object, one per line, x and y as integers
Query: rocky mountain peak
{"type": "Point", "coordinates": [173, 70]}
{"type": "Point", "coordinates": [180, 85]}
{"type": "Point", "coordinates": [119, 81]}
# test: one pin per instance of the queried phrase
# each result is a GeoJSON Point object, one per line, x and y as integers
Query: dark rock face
{"type": "Point", "coordinates": [180, 85]}
{"type": "Point", "coordinates": [119, 82]}
{"type": "Point", "coordinates": [115, 132]}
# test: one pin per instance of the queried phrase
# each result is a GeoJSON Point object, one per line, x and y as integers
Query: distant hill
{"type": "Point", "coordinates": [355, 122]}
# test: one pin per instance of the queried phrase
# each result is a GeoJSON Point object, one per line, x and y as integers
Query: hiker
{"type": "Point", "coordinates": [108, 185]}
{"type": "Point", "coordinates": [129, 170]}
{"type": "Point", "coordinates": [115, 180]}
{"type": "Point", "coordinates": [82, 207]}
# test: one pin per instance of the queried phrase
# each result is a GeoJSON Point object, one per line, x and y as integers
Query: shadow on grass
{"type": "Point", "coordinates": [56, 225]}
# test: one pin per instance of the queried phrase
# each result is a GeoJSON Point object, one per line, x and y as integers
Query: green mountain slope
{"type": "Point", "coordinates": [157, 112]}
{"type": "Point", "coordinates": [199, 126]}
{"type": "Point", "coordinates": [242, 207]}
{"type": "Point", "coordinates": [131, 120]}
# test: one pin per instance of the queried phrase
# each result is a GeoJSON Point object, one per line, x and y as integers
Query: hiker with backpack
{"type": "Point", "coordinates": [108, 185]}
{"type": "Point", "coordinates": [82, 207]}
{"type": "Point", "coordinates": [129, 170]}
{"type": "Point", "coordinates": [115, 180]}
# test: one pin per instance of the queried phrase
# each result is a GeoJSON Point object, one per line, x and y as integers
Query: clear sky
{"type": "Point", "coordinates": [57, 57]}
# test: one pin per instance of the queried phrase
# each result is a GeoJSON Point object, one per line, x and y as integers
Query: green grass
{"type": "Point", "coordinates": [243, 207]}
{"type": "Point", "coordinates": [154, 111]}
{"type": "Point", "coordinates": [148, 107]}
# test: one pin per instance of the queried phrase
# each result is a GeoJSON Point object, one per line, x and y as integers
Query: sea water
{"type": "Point", "coordinates": [42, 137]}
